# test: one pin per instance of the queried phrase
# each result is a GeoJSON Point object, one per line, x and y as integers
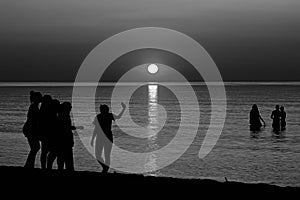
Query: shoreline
{"type": "Point", "coordinates": [22, 178]}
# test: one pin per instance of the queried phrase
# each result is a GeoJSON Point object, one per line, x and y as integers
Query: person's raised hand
{"type": "Point", "coordinates": [123, 105]}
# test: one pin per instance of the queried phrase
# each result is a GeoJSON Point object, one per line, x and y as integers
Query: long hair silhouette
{"type": "Point", "coordinates": [255, 119]}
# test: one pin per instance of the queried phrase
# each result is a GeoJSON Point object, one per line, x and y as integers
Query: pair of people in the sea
{"type": "Point", "coordinates": [51, 126]}
{"type": "Point", "coordinates": [279, 119]}
{"type": "Point", "coordinates": [278, 116]}
{"type": "Point", "coordinates": [103, 135]}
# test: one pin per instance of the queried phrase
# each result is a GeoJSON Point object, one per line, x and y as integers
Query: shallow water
{"type": "Point", "coordinates": [238, 155]}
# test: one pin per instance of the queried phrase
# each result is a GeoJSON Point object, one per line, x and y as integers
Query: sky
{"type": "Point", "coordinates": [47, 40]}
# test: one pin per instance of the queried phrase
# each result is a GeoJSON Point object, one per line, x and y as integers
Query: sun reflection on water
{"type": "Point", "coordinates": [152, 127]}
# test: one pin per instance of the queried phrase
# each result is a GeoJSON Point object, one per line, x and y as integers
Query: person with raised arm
{"type": "Point", "coordinates": [103, 135]}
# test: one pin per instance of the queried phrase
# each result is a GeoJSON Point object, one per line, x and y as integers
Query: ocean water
{"type": "Point", "coordinates": [238, 155]}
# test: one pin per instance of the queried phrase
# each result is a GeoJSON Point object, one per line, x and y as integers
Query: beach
{"type": "Point", "coordinates": [35, 183]}
{"type": "Point", "coordinates": [238, 155]}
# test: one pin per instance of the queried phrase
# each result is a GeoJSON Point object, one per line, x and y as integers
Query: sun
{"type": "Point", "coordinates": [152, 68]}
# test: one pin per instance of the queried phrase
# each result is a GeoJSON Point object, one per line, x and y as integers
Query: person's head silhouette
{"type": "Point", "coordinates": [282, 108]}
{"type": "Point", "coordinates": [55, 105]}
{"type": "Point", "coordinates": [46, 99]}
{"type": "Point", "coordinates": [104, 108]}
{"type": "Point", "coordinates": [254, 107]}
{"type": "Point", "coordinates": [35, 97]}
{"type": "Point", "coordinates": [65, 107]}
{"type": "Point", "coordinates": [277, 107]}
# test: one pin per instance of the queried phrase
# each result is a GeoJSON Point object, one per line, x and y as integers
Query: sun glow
{"type": "Point", "coordinates": [152, 68]}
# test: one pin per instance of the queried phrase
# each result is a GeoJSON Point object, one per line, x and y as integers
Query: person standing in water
{"type": "Point", "coordinates": [282, 118]}
{"type": "Point", "coordinates": [255, 119]}
{"type": "Point", "coordinates": [276, 119]}
{"type": "Point", "coordinates": [30, 128]}
{"type": "Point", "coordinates": [103, 135]}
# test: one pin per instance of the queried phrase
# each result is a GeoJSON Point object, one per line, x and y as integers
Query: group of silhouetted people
{"type": "Point", "coordinates": [278, 116]}
{"type": "Point", "coordinates": [48, 127]}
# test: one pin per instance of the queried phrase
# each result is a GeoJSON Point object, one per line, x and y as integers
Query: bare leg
{"type": "Point", "coordinates": [44, 154]}
{"type": "Point", "coordinates": [61, 159]}
{"type": "Point", "coordinates": [69, 159]}
{"type": "Point", "coordinates": [107, 152]}
{"type": "Point", "coordinates": [98, 151]}
{"type": "Point", "coordinates": [50, 159]}
{"type": "Point", "coordinates": [34, 148]}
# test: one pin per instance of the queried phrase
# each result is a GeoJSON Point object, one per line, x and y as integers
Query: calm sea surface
{"type": "Point", "coordinates": [238, 155]}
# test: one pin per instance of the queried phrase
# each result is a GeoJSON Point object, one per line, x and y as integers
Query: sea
{"type": "Point", "coordinates": [238, 155]}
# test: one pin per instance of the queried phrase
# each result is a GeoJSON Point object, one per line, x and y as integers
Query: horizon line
{"type": "Point", "coordinates": [212, 83]}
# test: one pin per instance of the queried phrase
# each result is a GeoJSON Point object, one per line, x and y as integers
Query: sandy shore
{"type": "Point", "coordinates": [79, 182]}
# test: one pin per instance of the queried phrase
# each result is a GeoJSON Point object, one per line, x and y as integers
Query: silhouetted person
{"type": "Point", "coordinates": [46, 127]}
{"type": "Point", "coordinates": [66, 141]}
{"type": "Point", "coordinates": [30, 128]}
{"type": "Point", "coordinates": [54, 137]}
{"type": "Point", "coordinates": [103, 135]}
{"type": "Point", "coordinates": [276, 119]}
{"type": "Point", "coordinates": [255, 119]}
{"type": "Point", "coordinates": [282, 118]}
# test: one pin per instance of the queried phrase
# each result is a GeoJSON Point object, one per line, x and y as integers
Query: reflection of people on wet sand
{"type": "Point", "coordinates": [30, 128]}
{"type": "Point", "coordinates": [255, 119]}
{"type": "Point", "coordinates": [282, 118]}
{"type": "Point", "coordinates": [276, 119]}
{"type": "Point", "coordinates": [103, 135]}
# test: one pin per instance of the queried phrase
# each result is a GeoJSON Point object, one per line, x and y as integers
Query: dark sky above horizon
{"type": "Point", "coordinates": [47, 40]}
